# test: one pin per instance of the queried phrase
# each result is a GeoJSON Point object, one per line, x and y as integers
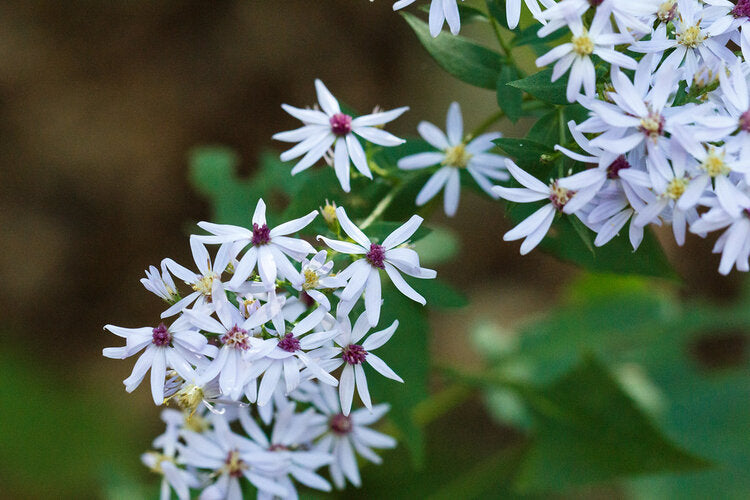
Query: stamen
{"type": "Point", "coordinates": [457, 156]}
{"type": "Point", "coordinates": [234, 465]}
{"type": "Point", "coordinates": [341, 124]}
{"type": "Point", "coordinates": [236, 338]}
{"type": "Point", "coordinates": [742, 9]}
{"type": "Point", "coordinates": [676, 187]}
{"type": "Point", "coordinates": [613, 171]}
{"type": "Point", "coordinates": [691, 37]}
{"type": "Point", "coordinates": [376, 256]}
{"type": "Point", "coordinates": [559, 196]}
{"type": "Point", "coordinates": [745, 121]}
{"type": "Point", "coordinates": [261, 235]}
{"type": "Point", "coordinates": [583, 45]}
{"type": "Point", "coordinates": [340, 424]}
{"type": "Point", "coordinates": [289, 343]}
{"type": "Point", "coordinates": [161, 336]}
{"type": "Point", "coordinates": [354, 354]}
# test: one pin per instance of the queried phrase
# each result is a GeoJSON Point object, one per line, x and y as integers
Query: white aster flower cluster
{"type": "Point", "coordinates": [666, 141]}
{"type": "Point", "coordinates": [259, 340]}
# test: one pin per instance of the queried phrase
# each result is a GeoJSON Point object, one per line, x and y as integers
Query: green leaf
{"type": "Point", "coordinates": [213, 173]}
{"type": "Point", "coordinates": [583, 232]}
{"type": "Point", "coordinates": [526, 153]}
{"type": "Point", "coordinates": [510, 99]}
{"type": "Point", "coordinates": [617, 256]}
{"type": "Point", "coordinates": [588, 430]}
{"type": "Point", "coordinates": [458, 56]}
{"type": "Point", "coordinates": [496, 9]}
{"type": "Point", "coordinates": [546, 130]}
{"type": "Point", "coordinates": [540, 86]}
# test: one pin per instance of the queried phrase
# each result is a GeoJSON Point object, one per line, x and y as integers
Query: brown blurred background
{"type": "Point", "coordinates": [100, 103]}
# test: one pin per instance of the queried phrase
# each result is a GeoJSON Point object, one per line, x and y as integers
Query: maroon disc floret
{"type": "Point", "coordinates": [237, 338]}
{"type": "Point", "coordinates": [613, 171]}
{"type": "Point", "coordinates": [161, 335]}
{"type": "Point", "coordinates": [354, 354]}
{"type": "Point", "coordinates": [340, 424]}
{"type": "Point", "coordinates": [376, 256]}
{"type": "Point", "coordinates": [595, 3]}
{"type": "Point", "coordinates": [745, 121]}
{"type": "Point", "coordinates": [261, 235]}
{"type": "Point", "coordinates": [742, 9]}
{"type": "Point", "coordinates": [341, 124]}
{"type": "Point", "coordinates": [289, 343]}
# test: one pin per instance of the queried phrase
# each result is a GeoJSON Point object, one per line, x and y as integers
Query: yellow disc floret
{"type": "Point", "coordinates": [311, 279]}
{"type": "Point", "coordinates": [714, 163]}
{"type": "Point", "coordinates": [205, 284]}
{"type": "Point", "coordinates": [691, 37]}
{"type": "Point", "coordinates": [457, 156]}
{"type": "Point", "coordinates": [583, 45]}
{"type": "Point", "coordinates": [676, 187]}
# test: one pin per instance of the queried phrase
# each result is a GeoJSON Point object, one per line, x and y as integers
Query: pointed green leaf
{"type": "Point", "coordinates": [589, 430]}
{"type": "Point", "coordinates": [458, 56]}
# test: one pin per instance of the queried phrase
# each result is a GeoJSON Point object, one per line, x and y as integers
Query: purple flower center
{"type": "Point", "coordinates": [613, 171]}
{"type": "Point", "coordinates": [742, 9]}
{"type": "Point", "coordinates": [341, 124]}
{"type": "Point", "coordinates": [289, 343]}
{"type": "Point", "coordinates": [376, 256]}
{"type": "Point", "coordinates": [261, 235]}
{"type": "Point", "coordinates": [559, 196]}
{"type": "Point", "coordinates": [277, 447]}
{"type": "Point", "coordinates": [595, 3]}
{"type": "Point", "coordinates": [354, 354]}
{"type": "Point", "coordinates": [237, 338]}
{"type": "Point", "coordinates": [161, 336]}
{"type": "Point", "coordinates": [340, 424]}
{"type": "Point", "coordinates": [745, 121]}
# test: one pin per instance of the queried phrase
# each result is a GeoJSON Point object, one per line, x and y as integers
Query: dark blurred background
{"type": "Point", "coordinates": [100, 103]}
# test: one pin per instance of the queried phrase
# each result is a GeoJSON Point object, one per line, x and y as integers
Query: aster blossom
{"type": "Point", "coordinates": [576, 55]}
{"type": "Point", "coordinates": [179, 346]}
{"type": "Point", "coordinates": [535, 227]}
{"type": "Point", "coordinates": [455, 155]}
{"type": "Point", "coordinates": [342, 435]}
{"type": "Point", "coordinates": [331, 128]}
{"type": "Point", "coordinates": [269, 248]}
{"type": "Point", "coordinates": [363, 275]}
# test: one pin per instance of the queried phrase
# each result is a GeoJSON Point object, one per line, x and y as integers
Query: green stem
{"type": "Point", "coordinates": [507, 49]}
{"type": "Point", "coordinates": [381, 206]}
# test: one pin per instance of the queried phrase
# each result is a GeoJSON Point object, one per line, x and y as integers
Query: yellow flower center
{"type": "Point", "coordinates": [205, 284]}
{"type": "Point", "coordinates": [676, 187]}
{"type": "Point", "coordinates": [714, 164]}
{"type": "Point", "coordinates": [457, 156]}
{"type": "Point", "coordinates": [691, 37]}
{"type": "Point", "coordinates": [311, 279]}
{"type": "Point", "coordinates": [582, 45]}
{"type": "Point", "coordinates": [188, 398]}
